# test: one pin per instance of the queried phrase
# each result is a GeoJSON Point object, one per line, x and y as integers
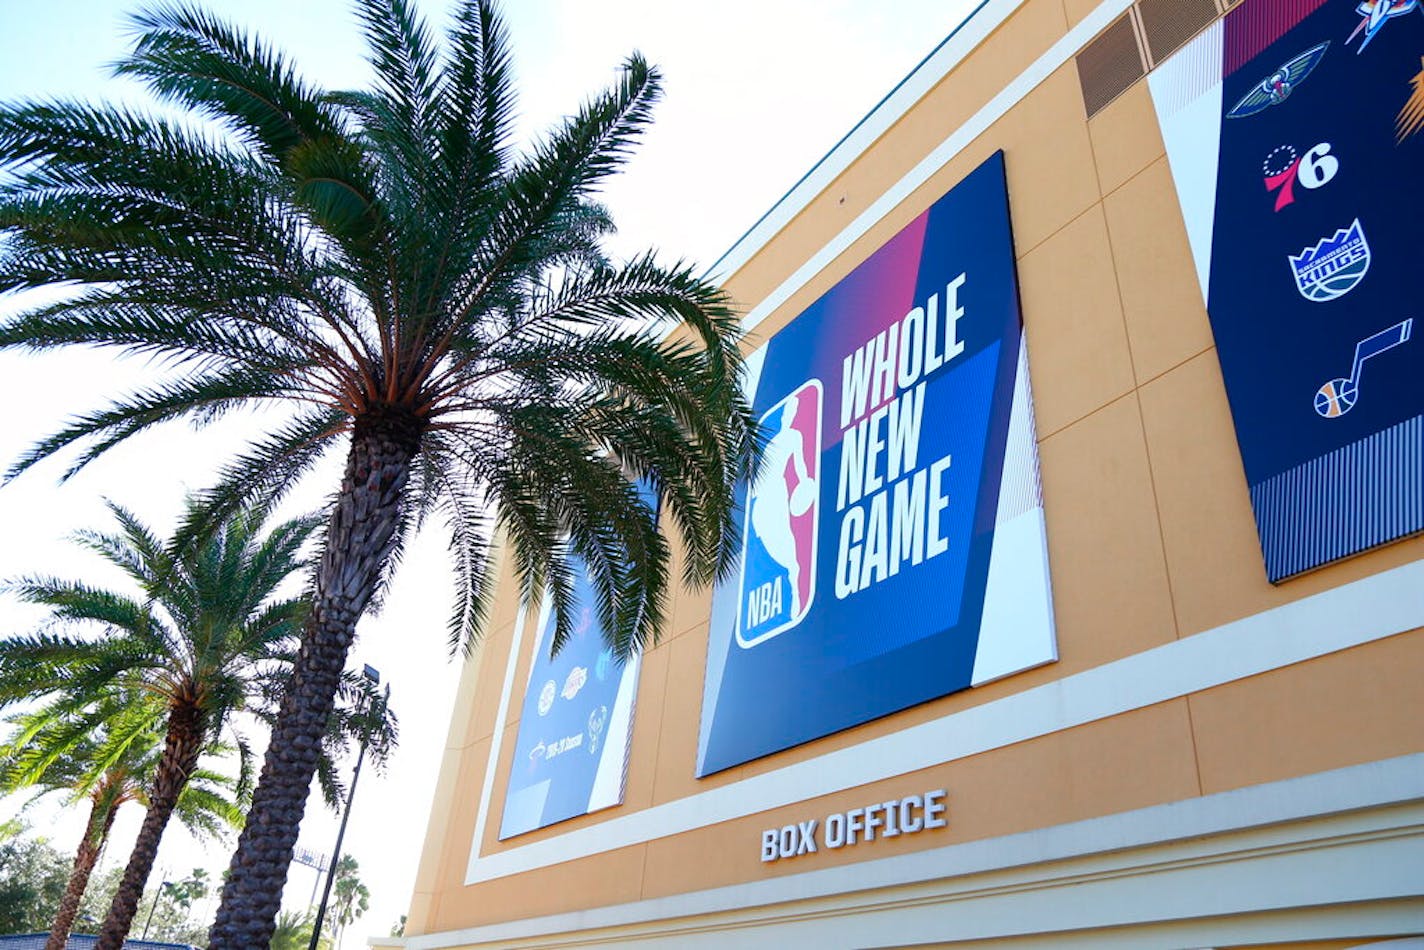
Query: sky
{"type": "Point", "coordinates": [756, 91]}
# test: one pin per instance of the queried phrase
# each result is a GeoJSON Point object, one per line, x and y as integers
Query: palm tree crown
{"type": "Point", "coordinates": [413, 289]}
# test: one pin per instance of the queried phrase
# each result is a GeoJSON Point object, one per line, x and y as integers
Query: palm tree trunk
{"type": "Point", "coordinates": [96, 832]}
{"type": "Point", "coordinates": [181, 749]}
{"type": "Point", "coordinates": [359, 540]}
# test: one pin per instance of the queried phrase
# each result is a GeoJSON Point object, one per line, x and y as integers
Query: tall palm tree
{"type": "Point", "coordinates": [418, 294]}
{"type": "Point", "coordinates": [207, 637]}
{"type": "Point", "coordinates": [52, 751]}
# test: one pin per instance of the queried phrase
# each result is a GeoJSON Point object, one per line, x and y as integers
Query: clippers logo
{"type": "Point", "coordinates": [1376, 14]}
{"type": "Point", "coordinates": [1333, 267]}
{"type": "Point", "coordinates": [1274, 89]}
{"type": "Point", "coordinates": [1284, 166]}
{"type": "Point", "coordinates": [779, 539]}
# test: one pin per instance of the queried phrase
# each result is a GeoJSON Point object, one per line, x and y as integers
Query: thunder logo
{"type": "Point", "coordinates": [779, 540]}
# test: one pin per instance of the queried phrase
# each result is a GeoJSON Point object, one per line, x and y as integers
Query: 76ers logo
{"type": "Point", "coordinates": [1284, 167]}
{"type": "Point", "coordinates": [779, 538]}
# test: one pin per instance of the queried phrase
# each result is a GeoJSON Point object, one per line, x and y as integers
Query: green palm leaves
{"type": "Point", "coordinates": [386, 268]}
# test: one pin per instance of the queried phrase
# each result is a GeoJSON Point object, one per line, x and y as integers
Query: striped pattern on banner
{"type": "Point", "coordinates": [1258, 24]}
{"type": "Point", "coordinates": [1347, 501]}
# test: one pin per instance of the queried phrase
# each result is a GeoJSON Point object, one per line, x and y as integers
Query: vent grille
{"type": "Point", "coordinates": [1110, 64]}
{"type": "Point", "coordinates": [1167, 24]}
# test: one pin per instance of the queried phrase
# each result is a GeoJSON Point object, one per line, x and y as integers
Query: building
{"type": "Point", "coordinates": [1084, 605]}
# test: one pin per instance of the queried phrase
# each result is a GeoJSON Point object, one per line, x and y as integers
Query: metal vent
{"type": "Point", "coordinates": [1111, 63]}
{"type": "Point", "coordinates": [1167, 24]}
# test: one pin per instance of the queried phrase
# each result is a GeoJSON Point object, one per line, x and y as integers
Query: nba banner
{"type": "Point", "coordinates": [1293, 129]}
{"type": "Point", "coordinates": [894, 545]}
{"type": "Point", "coordinates": [571, 753]}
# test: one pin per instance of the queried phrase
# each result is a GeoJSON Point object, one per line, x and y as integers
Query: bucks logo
{"type": "Point", "coordinates": [779, 538]}
{"type": "Point", "coordinates": [1332, 267]}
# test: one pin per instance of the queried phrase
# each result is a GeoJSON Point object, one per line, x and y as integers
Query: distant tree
{"type": "Point", "coordinates": [294, 932]}
{"type": "Point", "coordinates": [398, 928]}
{"type": "Point", "coordinates": [32, 880]}
{"type": "Point", "coordinates": [53, 751]}
{"type": "Point", "coordinates": [350, 897]}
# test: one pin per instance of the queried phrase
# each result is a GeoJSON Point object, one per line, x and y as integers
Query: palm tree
{"type": "Point", "coordinates": [416, 293]}
{"type": "Point", "coordinates": [207, 638]}
{"type": "Point", "coordinates": [52, 752]}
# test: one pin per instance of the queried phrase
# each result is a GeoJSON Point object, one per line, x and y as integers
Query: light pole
{"type": "Point", "coordinates": [162, 888]}
{"type": "Point", "coordinates": [374, 676]}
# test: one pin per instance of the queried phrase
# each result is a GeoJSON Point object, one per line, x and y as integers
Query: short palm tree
{"type": "Point", "coordinates": [52, 751]}
{"type": "Point", "coordinates": [207, 637]}
{"type": "Point", "coordinates": [418, 294]}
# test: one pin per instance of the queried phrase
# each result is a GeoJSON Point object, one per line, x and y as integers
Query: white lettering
{"type": "Point", "coordinates": [768, 845]}
{"type": "Point", "coordinates": [909, 821]}
{"type": "Point", "coordinates": [934, 808]}
{"type": "Point", "coordinates": [873, 448]}
{"type": "Point", "coordinates": [890, 809]}
{"type": "Point", "coordinates": [872, 821]}
{"type": "Point", "coordinates": [848, 553]}
{"type": "Point", "coordinates": [873, 566]}
{"type": "Point", "coordinates": [851, 485]}
{"type": "Point", "coordinates": [835, 830]}
{"type": "Point", "coordinates": [953, 345]}
{"type": "Point", "coordinates": [882, 379]}
{"type": "Point", "coordinates": [912, 353]}
{"type": "Point", "coordinates": [907, 522]}
{"type": "Point", "coordinates": [855, 385]}
{"type": "Point", "coordinates": [854, 823]}
{"type": "Point", "coordinates": [939, 501]}
{"type": "Point", "coordinates": [906, 414]}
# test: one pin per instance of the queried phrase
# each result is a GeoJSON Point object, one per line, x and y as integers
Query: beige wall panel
{"type": "Point", "coordinates": [1126, 138]}
{"type": "Point", "coordinates": [481, 703]}
{"type": "Point", "coordinates": [1213, 554]}
{"type": "Point", "coordinates": [1359, 705]}
{"type": "Point", "coordinates": [1077, 344]}
{"type": "Point", "coordinates": [454, 850]}
{"type": "Point", "coordinates": [614, 877]}
{"type": "Point", "coordinates": [1010, 49]}
{"type": "Point", "coordinates": [1131, 761]}
{"type": "Point", "coordinates": [1110, 591]}
{"type": "Point", "coordinates": [1166, 319]}
{"type": "Point", "coordinates": [1076, 10]}
{"type": "Point", "coordinates": [648, 713]}
{"type": "Point", "coordinates": [680, 717]}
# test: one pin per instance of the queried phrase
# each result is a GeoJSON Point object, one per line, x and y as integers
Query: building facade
{"type": "Point", "coordinates": [1083, 604]}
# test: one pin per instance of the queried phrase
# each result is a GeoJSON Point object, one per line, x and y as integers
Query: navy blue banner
{"type": "Point", "coordinates": [1315, 271]}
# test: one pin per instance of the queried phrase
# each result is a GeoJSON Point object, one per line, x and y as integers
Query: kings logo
{"type": "Point", "coordinates": [778, 580]}
{"type": "Point", "coordinates": [1332, 267]}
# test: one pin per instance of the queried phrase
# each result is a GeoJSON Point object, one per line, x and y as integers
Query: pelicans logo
{"type": "Point", "coordinates": [1334, 266]}
{"type": "Point", "coordinates": [1376, 13]}
{"type": "Point", "coordinates": [1274, 89]}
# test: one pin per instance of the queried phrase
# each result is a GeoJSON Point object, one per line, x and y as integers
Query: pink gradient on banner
{"type": "Point", "coordinates": [1251, 27]}
{"type": "Point", "coordinates": [871, 298]}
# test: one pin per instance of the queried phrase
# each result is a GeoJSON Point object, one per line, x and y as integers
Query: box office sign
{"type": "Point", "coordinates": [893, 545]}
{"type": "Point", "coordinates": [1295, 132]}
{"type": "Point", "coordinates": [571, 752]}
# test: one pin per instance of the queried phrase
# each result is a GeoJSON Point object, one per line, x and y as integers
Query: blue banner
{"type": "Point", "coordinates": [571, 752]}
{"type": "Point", "coordinates": [893, 484]}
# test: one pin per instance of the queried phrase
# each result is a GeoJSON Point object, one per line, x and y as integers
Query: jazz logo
{"type": "Point", "coordinates": [779, 539]}
{"type": "Point", "coordinates": [1376, 13]}
{"type": "Point", "coordinates": [1284, 167]}
{"type": "Point", "coordinates": [1339, 396]}
{"type": "Point", "coordinates": [1334, 266]}
{"type": "Point", "coordinates": [1274, 89]}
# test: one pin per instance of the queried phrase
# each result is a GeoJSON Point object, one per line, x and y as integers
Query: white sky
{"type": "Point", "coordinates": [756, 92]}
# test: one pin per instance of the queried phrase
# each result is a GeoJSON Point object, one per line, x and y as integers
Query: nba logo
{"type": "Point", "coordinates": [783, 507]}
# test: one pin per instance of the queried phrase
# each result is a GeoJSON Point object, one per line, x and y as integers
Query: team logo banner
{"type": "Point", "coordinates": [894, 545]}
{"type": "Point", "coordinates": [1293, 132]}
{"type": "Point", "coordinates": [571, 753]}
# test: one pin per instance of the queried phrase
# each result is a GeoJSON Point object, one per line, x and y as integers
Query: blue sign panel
{"type": "Point", "coordinates": [1308, 244]}
{"type": "Point", "coordinates": [571, 753]}
{"type": "Point", "coordinates": [893, 539]}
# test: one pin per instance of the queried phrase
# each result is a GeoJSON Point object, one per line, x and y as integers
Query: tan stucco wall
{"type": "Point", "coordinates": [1150, 534]}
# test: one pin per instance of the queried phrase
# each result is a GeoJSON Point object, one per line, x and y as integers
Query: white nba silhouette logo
{"type": "Point", "coordinates": [776, 591]}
